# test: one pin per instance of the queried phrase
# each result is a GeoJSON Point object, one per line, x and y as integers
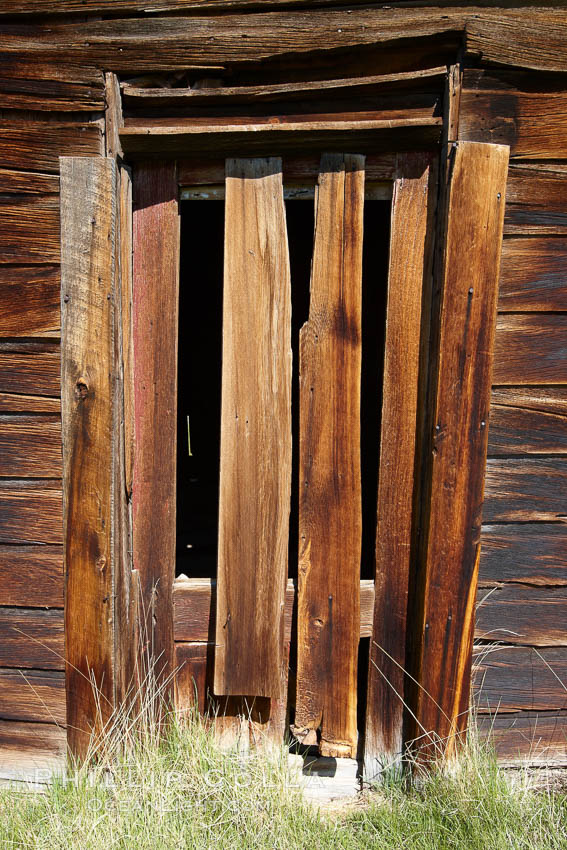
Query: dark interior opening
{"type": "Point", "coordinates": [199, 387]}
{"type": "Point", "coordinates": [199, 372]}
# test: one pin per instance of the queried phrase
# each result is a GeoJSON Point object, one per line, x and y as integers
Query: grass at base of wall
{"type": "Point", "coordinates": [182, 791]}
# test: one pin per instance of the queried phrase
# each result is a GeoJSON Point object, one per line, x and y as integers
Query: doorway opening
{"type": "Point", "coordinates": [200, 363]}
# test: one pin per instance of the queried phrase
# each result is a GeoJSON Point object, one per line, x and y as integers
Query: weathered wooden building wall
{"type": "Point", "coordinates": [53, 102]}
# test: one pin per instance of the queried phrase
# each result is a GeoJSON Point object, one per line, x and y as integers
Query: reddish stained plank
{"type": "Point", "coordinates": [155, 322]}
{"type": "Point", "coordinates": [330, 511]}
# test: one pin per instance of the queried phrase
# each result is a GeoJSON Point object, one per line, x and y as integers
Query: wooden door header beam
{"type": "Point", "coordinates": [269, 140]}
{"type": "Point", "coordinates": [525, 37]}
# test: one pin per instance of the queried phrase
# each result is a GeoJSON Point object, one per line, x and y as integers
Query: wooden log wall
{"type": "Point", "coordinates": [60, 118]}
{"type": "Point", "coordinates": [53, 101]}
{"type": "Point", "coordinates": [521, 635]}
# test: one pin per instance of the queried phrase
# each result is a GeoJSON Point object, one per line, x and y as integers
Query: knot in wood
{"type": "Point", "coordinates": [81, 389]}
{"type": "Point", "coordinates": [101, 563]}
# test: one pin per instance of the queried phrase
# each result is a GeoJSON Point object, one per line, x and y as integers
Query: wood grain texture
{"type": "Point", "coordinates": [194, 608]}
{"type": "Point", "coordinates": [192, 661]}
{"type": "Point", "coordinates": [31, 576]}
{"type": "Point", "coordinates": [516, 678]}
{"type": "Point", "coordinates": [528, 421]}
{"type": "Point", "coordinates": [513, 117]}
{"type": "Point", "coordinates": [525, 489]}
{"type": "Point", "coordinates": [155, 328]}
{"type": "Point", "coordinates": [407, 283]}
{"type": "Point", "coordinates": [31, 512]}
{"type": "Point", "coordinates": [36, 695]}
{"type": "Point", "coordinates": [461, 377]}
{"type": "Point", "coordinates": [529, 616]}
{"type": "Point", "coordinates": [32, 638]}
{"type": "Point", "coordinates": [255, 466]}
{"type": "Point", "coordinates": [127, 602]}
{"type": "Point", "coordinates": [88, 287]}
{"type": "Point", "coordinates": [30, 447]}
{"type": "Point", "coordinates": [533, 554]}
{"type": "Point", "coordinates": [536, 200]}
{"type": "Point", "coordinates": [25, 373]}
{"type": "Point", "coordinates": [30, 298]}
{"type": "Point", "coordinates": [527, 737]}
{"type": "Point", "coordinates": [516, 36]}
{"type": "Point", "coordinates": [533, 274]}
{"type": "Point", "coordinates": [530, 349]}
{"type": "Point", "coordinates": [31, 751]}
{"type": "Point", "coordinates": [330, 511]}
{"type": "Point", "coordinates": [28, 182]}
{"type": "Point", "coordinates": [30, 229]}
{"type": "Point", "coordinates": [113, 119]}
{"type": "Point", "coordinates": [39, 148]}
{"type": "Point", "coordinates": [49, 95]}
{"type": "Point", "coordinates": [15, 403]}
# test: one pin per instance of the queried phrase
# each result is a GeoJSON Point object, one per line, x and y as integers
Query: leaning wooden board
{"type": "Point", "coordinates": [446, 587]}
{"type": "Point", "coordinates": [330, 509]}
{"type": "Point", "coordinates": [255, 466]}
{"type": "Point", "coordinates": [408, 286]}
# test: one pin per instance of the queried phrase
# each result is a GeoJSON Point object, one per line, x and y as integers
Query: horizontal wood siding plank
{"type": "Point", "coordinates": [30, 230]}
{"type": "Point", "coordinates": [30, 447]}
{"type": "Point", "coordinates": [38, 148]}
{"type": "Point", "coordinates": [50, 95]}
{"type": "Point", "coordinates": [530, 616]}
{"type": "Point", "coordinates": [533, 554]}
{"type": "Point", "coordinates": [525, 490]}
{"type": "Point", "coordinates": [514, 118]}
{"type": "Point", "coordinates": [30, 297]}
{"type": "Point", "coordinates": [526, 737]}
{"type": "Point", "coordinates": [15, 403]}
{"type": "Point", "coordinates": [536, 201]}
{"type": "Point", "coordinates": [32, 638]}
{"type": "Point", "coordinates": [528, 421]}
{"type": "Point", "coordinates": [143, 44]}
{"type": "Point", "coordinates": [533, 274]}
{"type": "Point", "coordinates": [32, 514]}
{"type": "Point", "coordinates": [31, 751]}
{"type": "Point", "coordinates": [516, 36]}
{"type": "Point", "coordinates": [194, 609]}
{"type": "Point", "coordinates": [25, 373]}
{"type": "Point", "coordinates": [31, 576]}
{"type": "Point", "coordinates": [28, 182]}
{"type": "Point", "coordinates": [530, 349]}
{"type": "Point", "coordinates": [36, 695]}
{"type": "Point", "coordinates": [519, 678]}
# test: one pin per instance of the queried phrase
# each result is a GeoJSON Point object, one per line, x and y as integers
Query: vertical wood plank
{"type": "Point", "coordinates": [255, 468]}
{"type": "Point", "coordinates": [330, 509]}
{"type": "Point", "coordinates": [460, 397]}
{"type": "Point", "coordinates": [155, 324]}
{"type": "Point", "coordinates": [408, 283]}
{"type": "Point", "coordinates": [88, 239]}
{"type": "Point", "coordinates": [125, 604]}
